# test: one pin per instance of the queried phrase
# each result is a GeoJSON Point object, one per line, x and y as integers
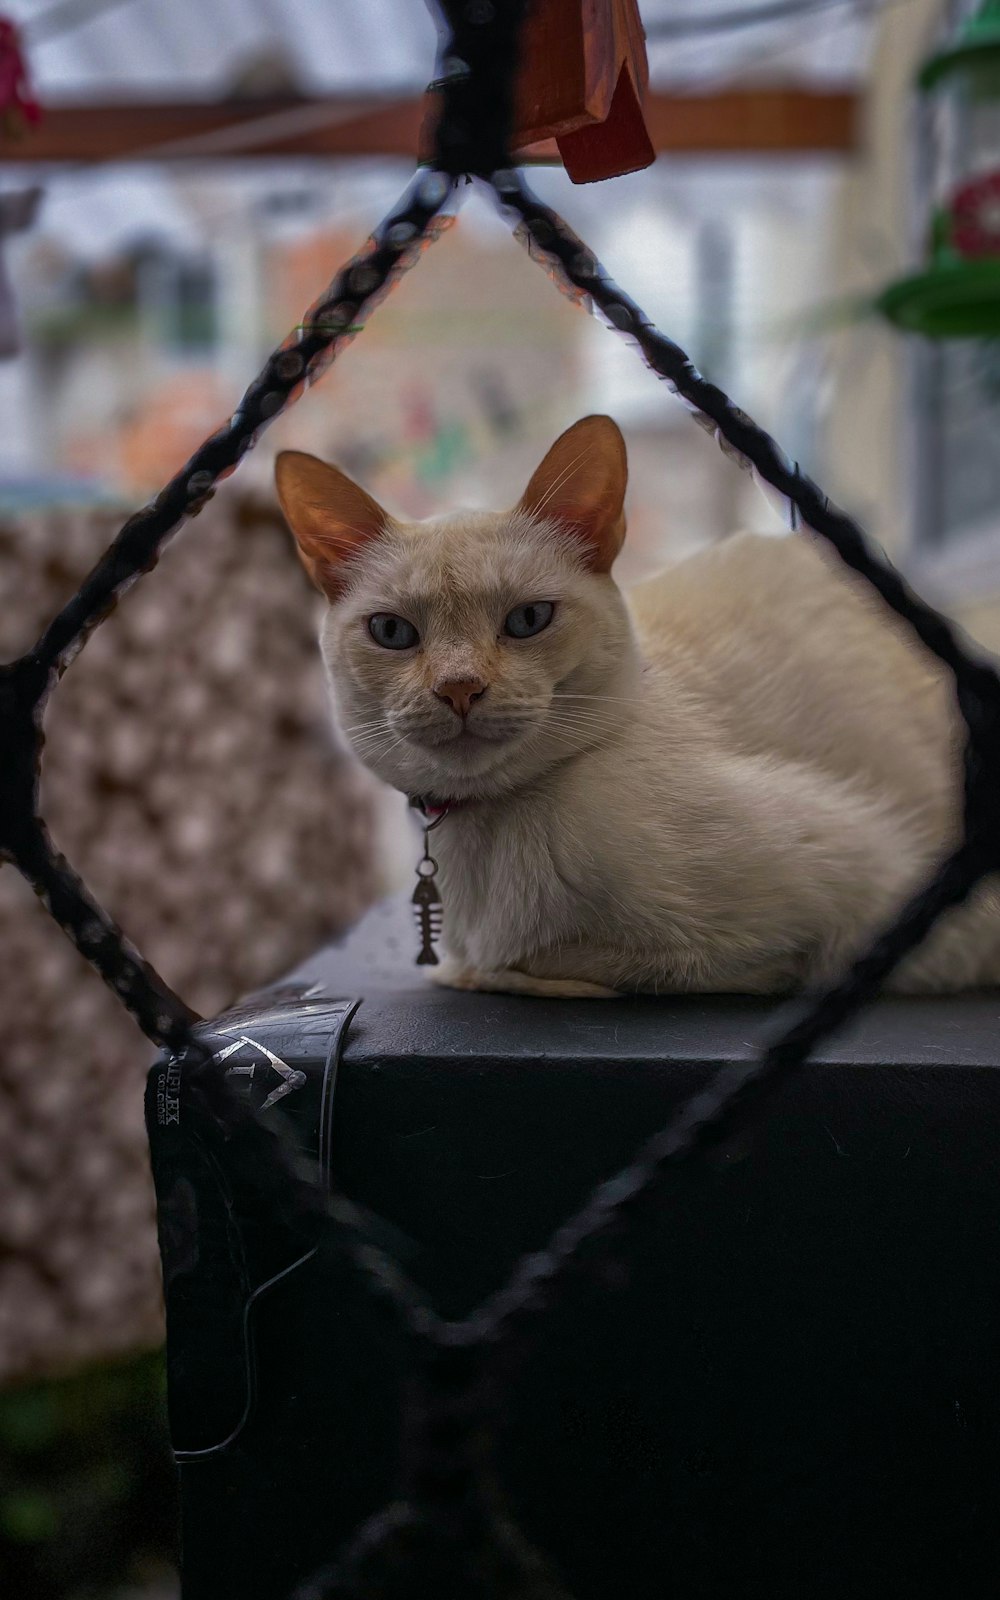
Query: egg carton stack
{"type": "Point", "coordinates": [190, 773]}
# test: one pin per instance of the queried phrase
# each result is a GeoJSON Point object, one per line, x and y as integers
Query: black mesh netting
{"type": "Point", "coordinates": [448, 1533]}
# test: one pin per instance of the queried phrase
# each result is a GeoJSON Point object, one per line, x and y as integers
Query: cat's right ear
{"type": "Point", "coordinates": [330, 516]}
{"type": "Point", "coordinates": [580, 486]}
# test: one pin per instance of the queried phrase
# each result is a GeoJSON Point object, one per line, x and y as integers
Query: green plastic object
{"type": "Point", "coordinates": [976, 52]}
{"type": "Point", "coordinates": [957, 295]}
{"type": "Point", "coordinates": [951, 299]}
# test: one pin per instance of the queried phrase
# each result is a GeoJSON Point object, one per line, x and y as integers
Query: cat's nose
{"type": "Point", "coordinates": [460, 693]}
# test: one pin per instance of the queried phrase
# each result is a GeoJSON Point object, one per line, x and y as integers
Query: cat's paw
{"type": "Point", "coordinates": [452, 974]}
{"type": "Point", "coordinates": [513, 982]}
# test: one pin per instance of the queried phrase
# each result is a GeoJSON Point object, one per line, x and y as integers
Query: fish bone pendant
{"type": "Point", "coordinates": [427, 906]}
{"type": "Point", "coordinates": [428, 910]}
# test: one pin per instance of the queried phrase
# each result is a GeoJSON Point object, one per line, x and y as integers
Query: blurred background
{"type": "Point", "coordinates": [196, 175]}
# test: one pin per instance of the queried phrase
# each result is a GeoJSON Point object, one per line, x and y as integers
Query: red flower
{"type": "Point", "coordinates": [17, 102]}
{"type": "Point", "coordinates": [975, 217]}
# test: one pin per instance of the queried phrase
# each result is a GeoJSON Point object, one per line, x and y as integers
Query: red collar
{"type": "Point", "coordinates": [431, 807]}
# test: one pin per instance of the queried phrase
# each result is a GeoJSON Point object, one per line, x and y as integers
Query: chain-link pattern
{"type": "Point", "coordinates": [25, 684]}
{"type": "Point", "coordinates": [449, 1534]}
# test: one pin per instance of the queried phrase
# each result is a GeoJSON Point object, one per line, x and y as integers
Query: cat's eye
{"type": "Point", "coordinates": [392, 632]}
{"type": "Point", "coordinates": [525, 621]}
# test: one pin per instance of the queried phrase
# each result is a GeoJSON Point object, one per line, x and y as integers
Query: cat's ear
{"type": "Point", "coordinates": [581, 486]}
{"type": "Point", "coordinates": [329, 515]}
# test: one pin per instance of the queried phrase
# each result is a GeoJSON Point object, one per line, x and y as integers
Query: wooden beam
{"type": "Point", "coordinates": [754, 121]}
{"type": "Point", "coordinates": [731, 122]}
{"type": "Point", "coordinates": [151, 130]}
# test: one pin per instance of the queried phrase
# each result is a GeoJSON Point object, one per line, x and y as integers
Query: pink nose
{"type": "Point", "coordinates": [460, 693]}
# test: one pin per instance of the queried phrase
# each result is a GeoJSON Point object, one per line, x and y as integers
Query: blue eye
{"type": "Point", "coordinates": [393, 633]}
{"type": "Point", "coordinates": [525, 621]}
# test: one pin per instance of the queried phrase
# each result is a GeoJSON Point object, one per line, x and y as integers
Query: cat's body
{"type": "Point", "coordinates": [727, 783]}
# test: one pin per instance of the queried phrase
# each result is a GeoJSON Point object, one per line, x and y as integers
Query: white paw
{"type": "Point", "coordinates": [452, 974]}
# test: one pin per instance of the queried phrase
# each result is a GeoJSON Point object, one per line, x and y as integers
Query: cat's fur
{"type": "Point", "coordinates": [727, 782]}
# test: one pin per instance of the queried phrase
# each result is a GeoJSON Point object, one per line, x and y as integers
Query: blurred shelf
{"type": "Point", "coordinates": [790, 121]}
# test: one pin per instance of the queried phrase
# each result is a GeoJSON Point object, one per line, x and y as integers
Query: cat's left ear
{"type": "Point", "coordinates": [581, 486]}
{"type": "Point", "coordinates": [330, 515]}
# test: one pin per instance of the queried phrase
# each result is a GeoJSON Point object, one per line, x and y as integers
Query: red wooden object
{"type": "Point", "coordinates": [18, 105]}
{"type": "Point", "coordinates": [582, 81]}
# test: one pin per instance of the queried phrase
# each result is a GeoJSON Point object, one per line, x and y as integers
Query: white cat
{"type": "Point", "coordinates": [728, 781]}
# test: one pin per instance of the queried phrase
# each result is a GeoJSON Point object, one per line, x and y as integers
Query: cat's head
{"type": "Point", "coordinates": [470, 653]}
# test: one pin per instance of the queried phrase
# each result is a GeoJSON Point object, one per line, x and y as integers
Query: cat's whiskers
{"type": "Point", "coordinates": [577, 735]}
{"type": "Point", "coordinates": [379, 751]}
{"type": "Point", "coordinates": [618, 699]}
{"type": "Point", "coordinates": [580, 718]}
{"type": "Point", "coordinates": [535, 716]}
{"type": "Point", "coordinates": [366, 744]}
{"type": "Point", "coordinates": [361, 736]}
{"type": "Point", "coordinates": [384, 753]}
{"type": "Point", "coordinates": [379, 721]}
{"type": "Point", "coordinates": [569, 729]}
{"type": "Point", "coordinates": [573, 738]}
{"type": "Point", "coordinates": [585, 710]}
{"type": "Point", "coordinates": [576, 739]}
{"type": "Point", "coordinates": [610, 718]}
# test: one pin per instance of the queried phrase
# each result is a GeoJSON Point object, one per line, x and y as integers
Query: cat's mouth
{"type": "Point", "coordinates": [466, 734]}
{"type": "Point", "coordinates": [480, 734]}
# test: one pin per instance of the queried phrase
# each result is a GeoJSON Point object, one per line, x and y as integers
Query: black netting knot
{"type": "Point", "coordinates": [979, 701]}
{"type": "Point", "coordinates": [477, 71]}
{"type": "Point", "coordinates": [22, 688]}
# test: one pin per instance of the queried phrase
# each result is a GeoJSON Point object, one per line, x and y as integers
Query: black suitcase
{"type": "Point", "coordinates": [789, 1386]}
